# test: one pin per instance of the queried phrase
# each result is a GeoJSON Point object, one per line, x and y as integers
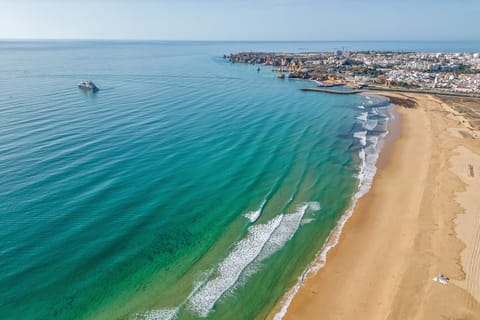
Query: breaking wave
{"type": "Point", "coordinates": [362, 136]}
{"type": "Point", "coordinates": [158, 314]}
{"type": "Point", "coordinates": [254, 215]}
{"type": "Point", "coordinates": [371, 142]}
{"type": "Point", "coordinates": [261, 242]}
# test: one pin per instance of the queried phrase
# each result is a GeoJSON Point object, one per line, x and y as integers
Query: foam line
{"type": "Point", "coordinates": [362, 136]}
{"type": "Point", "coordinates": [283, 233]}
{"type": "Point", "coordinates": [229, 270]}
{"type": "Point", "coordinates": [262, 241]}
{"type": "Point", "coordinates": [371, 124]}
{"type": "Point", "coordinates": [362, 116]}
{"type": "Point", "coordinates": [368, 155]}
{"type": "Point", "coordinates": [254, 215]}
{"type": "Point", "coordinates": [158, 314]}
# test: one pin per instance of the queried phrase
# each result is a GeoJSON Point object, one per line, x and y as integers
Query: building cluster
{"type": "Point", "coordinates": [452, 72]}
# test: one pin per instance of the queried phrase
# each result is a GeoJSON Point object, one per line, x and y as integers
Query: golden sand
{"type": "Point", "coordinates": [420, 218]}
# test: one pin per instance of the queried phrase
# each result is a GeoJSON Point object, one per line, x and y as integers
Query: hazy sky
{"type": "Point", "coordinates": [242, 19]}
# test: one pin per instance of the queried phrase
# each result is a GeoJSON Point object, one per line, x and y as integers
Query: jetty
{"type": "Point", "coordinates": [332, 91]}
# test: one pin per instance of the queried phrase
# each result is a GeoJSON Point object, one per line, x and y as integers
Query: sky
{"type": "Point", "coordinates": [256, 20]}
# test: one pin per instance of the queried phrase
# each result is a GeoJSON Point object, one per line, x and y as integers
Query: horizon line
{"type": "Point", "coordinates": [222, 40]}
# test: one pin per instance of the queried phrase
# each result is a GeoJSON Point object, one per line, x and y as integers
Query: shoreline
{"type": "Point", "coordinates": [372, 241]}
{"type": "Point", "coordinates": [335, 235]}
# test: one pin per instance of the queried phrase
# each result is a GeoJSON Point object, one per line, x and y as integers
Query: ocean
{"type": "Point", "coordinates": [187, 187]}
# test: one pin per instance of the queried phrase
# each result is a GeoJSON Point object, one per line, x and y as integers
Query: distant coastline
{"type": "Point", "coordinates": [415, 72]}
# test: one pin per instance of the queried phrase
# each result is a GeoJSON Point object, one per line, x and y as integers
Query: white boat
{"type": "Point", "coordinates": [88, 85]}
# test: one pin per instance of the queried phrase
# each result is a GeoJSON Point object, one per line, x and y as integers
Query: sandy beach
{"type": "Point", "coordinates": [420, 218]}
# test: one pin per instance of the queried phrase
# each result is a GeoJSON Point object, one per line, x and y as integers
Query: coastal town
{"type": "Point", "coordinates": [454, 73]}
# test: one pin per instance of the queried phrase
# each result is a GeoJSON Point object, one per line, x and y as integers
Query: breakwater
{"type": "Point", "coordinates": [332, 91]}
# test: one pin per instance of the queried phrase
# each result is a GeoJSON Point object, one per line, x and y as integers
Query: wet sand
{"type": "Point", "coordinates": [420, 218]}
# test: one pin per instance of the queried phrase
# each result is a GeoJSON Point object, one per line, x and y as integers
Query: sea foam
{"type": "Point", "coordinates": [362, 136]}
{"type": "Point", "coordinates": [368, 155]}
{"type": "Point", "coordinates": [158, 314]}
{"type": "Point", "coordinates": [282, 234]}
{"type": "Point", "coordinates": [362, 116]}
{"type": "Point", "coordinates": [229, 270]}
{"type": "Point", "coordinates": [285, 231]}
{"type": "Point", "coordinates": [254, 215]}
{"type": "Point", "coordinates": [261, 242]}
{"type": "Point", "coordinates": [371, 124]}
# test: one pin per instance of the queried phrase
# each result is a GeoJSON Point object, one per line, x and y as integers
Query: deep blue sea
{"type": "Point", "coordinates": [186, 188]}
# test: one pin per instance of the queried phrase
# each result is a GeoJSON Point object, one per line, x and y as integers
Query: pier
{"type": "Point", "coordinates": [332, 91]}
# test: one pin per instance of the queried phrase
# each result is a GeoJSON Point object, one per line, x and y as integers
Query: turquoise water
{"type": "Point", "coordinates": [182, 187]}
